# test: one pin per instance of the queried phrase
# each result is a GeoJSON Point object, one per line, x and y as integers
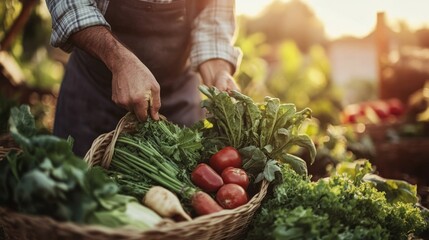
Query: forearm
{"type": "Point", "coordinates": [69, 17]}
{"type": "Point", "coordinates": [102, 44]}
{"type": "Point", "coordinates": [133, 85]}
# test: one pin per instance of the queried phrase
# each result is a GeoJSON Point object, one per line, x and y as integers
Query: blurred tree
{"type": "Point", "coordinates": [253, 69]}
{"type": "Point", "coordinates": [292, 20]}
{"type": "Point", "coordinates": [9, 10]}
{"type": "Point", "coordinates": [304, 79]}
{"type": "Point", "coordinates": [285, 72]}
{"type": "Point", "coordinates": [31, 48]}
{"type": "Point", "coordinates": [30, 54]}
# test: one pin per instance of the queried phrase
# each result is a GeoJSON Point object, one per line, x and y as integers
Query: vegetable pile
{"type": "Point", "coordinates": [161, 154]}
{"type": "Point", "coordinates": [193, 162]}
{"type": "Point", "coordinates": [180, 173]}
{"type": "Point", "coordinates": [46, 178]}
{"type": "Point", "coordinates": [263, 133]}
{"type": "Point", "coordinates": [339, 207]}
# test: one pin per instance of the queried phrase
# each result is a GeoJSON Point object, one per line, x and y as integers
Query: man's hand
{"type": "Point", "coordinates": [133, 85]}
{"type": "Point", "coordinates": [217, 73]}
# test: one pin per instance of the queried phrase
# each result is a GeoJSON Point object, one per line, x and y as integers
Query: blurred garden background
{"type": "Point", "coordinates": [361, 66]}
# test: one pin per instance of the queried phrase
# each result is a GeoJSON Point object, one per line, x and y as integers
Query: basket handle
{"type": "Point", "coordinates": [99, 147]}
{"type": "Point", "coordinates": [105, 144]}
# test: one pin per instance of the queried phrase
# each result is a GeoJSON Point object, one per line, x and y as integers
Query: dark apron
{"type": "Point", "coordinates": [160, 36]}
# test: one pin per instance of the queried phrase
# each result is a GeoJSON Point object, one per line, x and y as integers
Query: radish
{"type": "Point", "coordinates": [165, 203]}
{"type": "Point", "coordinates": [204, 204]}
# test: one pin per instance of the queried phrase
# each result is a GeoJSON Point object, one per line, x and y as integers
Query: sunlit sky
{"type": "Point", "coordinates": [354, 17]}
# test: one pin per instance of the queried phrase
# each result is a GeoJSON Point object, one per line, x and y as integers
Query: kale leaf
{"type": "Point", "coordinates": [270, 128]}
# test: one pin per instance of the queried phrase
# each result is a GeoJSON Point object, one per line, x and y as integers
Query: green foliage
{"type": "Point", "coordinates": [253, 69]}
{"type": "Point", "coordinates": [31, 48]}
{"type": "Point", "coordinates": [305, 81]}
{"type": "Point", "coordinates": [157, 153]}
{"type": "Point", "coordinates": [269, 128]}
{"type": "Point", "coordinates": [9, 10]}
{"type": "Point", "coordinates": [281, 70]}
{"type": "Point", "coordinates": [333, 208]}
{"type": "Point", "coordinates": [334, 145]}
{"type": "Point", "coordinates": [46, 178]}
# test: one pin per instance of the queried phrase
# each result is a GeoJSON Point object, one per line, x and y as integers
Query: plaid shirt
{"type": "Point", "coordinates": [212, 35]}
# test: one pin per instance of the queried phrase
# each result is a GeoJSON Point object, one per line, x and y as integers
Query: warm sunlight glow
{"type": "Point", "coordinates": [351, 17]}
{"type": "Point", "coordinates": [251, 7]}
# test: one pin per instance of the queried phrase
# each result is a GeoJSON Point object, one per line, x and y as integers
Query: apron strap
{"type": "Point", "coordinates": [195, 7]}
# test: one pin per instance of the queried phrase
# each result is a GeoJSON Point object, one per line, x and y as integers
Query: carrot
{"type": "Point", "coordinates": [165, 203]}
{"type": "Point", "coordinates": [204, 204]}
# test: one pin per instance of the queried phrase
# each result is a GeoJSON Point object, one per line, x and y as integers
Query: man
{"type": "Point", "coordinates": [131, 55]}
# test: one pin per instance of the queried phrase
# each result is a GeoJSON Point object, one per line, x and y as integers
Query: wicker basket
{"type": "Point", "coordinates": [226, 224]}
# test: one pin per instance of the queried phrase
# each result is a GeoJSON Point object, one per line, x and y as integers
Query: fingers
{"type": "Point", "coordinates": [140, 108]}
{"type": "Point", "coordinates": [149, 104]}
{"type": "Point", "coordinates": [225, 82]}
{"type": "Point", "coordinates": [232, 86]}
{"type": "Point", "coordinates": [156, 103]}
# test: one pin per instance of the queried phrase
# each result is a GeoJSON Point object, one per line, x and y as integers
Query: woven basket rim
{"type": "Point", "coordinates": [75, 227]}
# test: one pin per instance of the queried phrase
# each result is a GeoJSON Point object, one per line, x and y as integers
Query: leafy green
{"type": "Point", "coordinates": [253, 159]}
{"type": "Point", "coordinates": [270, 127]}
{"type": "Point", "coordinates": [395, 190]}
{"type": "Point", "coordinates": [334, 208]}
{"type": "Point", "coordinates": [121, 210]}
{"type": "Point", "coordinates": [228, 116]}
{"type": "Point", "coordinates": [181, 145]}
{"type": "Point", "coordinates": [116, 210]}
{"type": "Point", "coordinates": [297, 164]}
{"type": "Point", "coordinates": [46, 178]}
{"type": "Point", "coordinates": [160, 153]}
{"type": "Point", "coordinates": [131, 185]}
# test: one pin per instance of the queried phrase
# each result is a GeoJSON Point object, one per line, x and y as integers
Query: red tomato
{"type": "Point", "coordinates": [226, 157]}
{"type": "Point", "coordinates": [231, 195]}
{"type": "Point", "coordinates": [235, 175]}
{"type": "Point", "coordinates": [206, 178]}
{"type": "Point", "coordinates": [204, 204]}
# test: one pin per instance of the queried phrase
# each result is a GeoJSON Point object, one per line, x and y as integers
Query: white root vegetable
{"type": "Point", "coordinates": [165, 203]}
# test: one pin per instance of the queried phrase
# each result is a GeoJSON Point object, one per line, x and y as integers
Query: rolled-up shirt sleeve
{"type": "Point", "coordinates": [213, 34]}
{"type": "Point", "coordinates": [70, 16]}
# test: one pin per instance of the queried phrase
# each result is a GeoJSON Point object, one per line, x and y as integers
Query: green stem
{"type": "Point", "coordinates": [150, 152]}
{"type": "Point", "coordinates": [171, 170]}
{"type": "Point", "coordinates": [144, 187]}
{"type": "Point", "coordinates": [158, 176]}
{"type": "Point", "coordinates": [127, 157]}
